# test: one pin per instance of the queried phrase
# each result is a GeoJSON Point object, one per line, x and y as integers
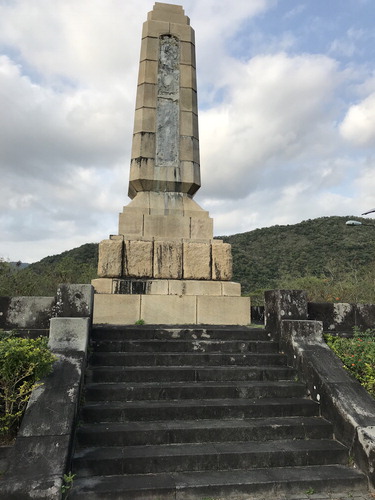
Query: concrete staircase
{"type": "Point", "coordinates": [189, 413]}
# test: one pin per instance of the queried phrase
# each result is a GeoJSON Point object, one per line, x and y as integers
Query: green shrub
{"type": "Point", "coordinates": [22, 363]}
{"type": "Point", "coordinates": [357, 355]}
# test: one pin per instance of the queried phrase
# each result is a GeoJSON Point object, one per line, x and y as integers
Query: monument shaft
{"type": "Point", "coordinates": [164, 255]}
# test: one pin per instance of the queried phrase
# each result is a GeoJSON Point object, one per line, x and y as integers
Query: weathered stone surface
{"type": "Point", "coordinates": [69, 334]}
{"type": "Point", "coordinates": [26, 312]}
{"type": "Point", "coordinates": [283, 304]}
{"type": "Point", "coordinates": [74, 301]}
{"type": "Point", "coordinates": [221, 261]}
{"type": "Point", "coordinates": [110, 258]}
{"type": "Point", "coordinates": [197, 260]}
{"type": "Point", "coordinates": [138, 258]}
{"type": "Point", "coordinates": [342, 399]}
{"type": "Point", "coordinates": [167, 260]}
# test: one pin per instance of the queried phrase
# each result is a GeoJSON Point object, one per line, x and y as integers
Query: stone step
{"type": "Point", "coordinates": [227, 484]}
{"type": "Point", "coordinates": [220, 346]}
{"type": "Point", "coordinates": [202, 431]}
{"type": "Point", "coordinates": [197, 409]}
{"type": "Point", "coordinates": [154, 459]}
{"type": "Point", "coordinates": [183, 359]}
{"type": "Point", "coordinates": [188, 390]}
{"type": "Point", "coordinates": [187, 373]}
{"type": "Point", "coordinates": [133, 332]}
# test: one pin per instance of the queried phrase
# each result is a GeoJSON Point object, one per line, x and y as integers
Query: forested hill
{"type": "Point", "coordinates": [271, 257]}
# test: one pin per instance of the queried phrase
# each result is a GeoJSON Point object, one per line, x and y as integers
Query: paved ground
{"type": "Point", "coordinates": [312, 496]}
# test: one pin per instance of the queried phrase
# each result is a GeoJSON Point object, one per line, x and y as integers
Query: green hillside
{"type": "Point", "coordinates": [324, 256]}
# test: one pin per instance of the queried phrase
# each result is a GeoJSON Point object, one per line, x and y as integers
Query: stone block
{"type": "Point", "coordinates": [189, 124]}
{"type": "Point", "coordinates": [144, 120]}
{"type": "Point", "coordinates": [221, 261]}
{"type": "Point", "coordinates": [231, 289]}
{"type": "Point", "coordinates": [223, 310]}
{"type": "Point", "coordinates": [188, 100]}
{"type": "Point", "coordinates": [138, 257]}
{"type": "Point", "coordinates": [163, 12]}
{"type": "Point", "coordinates": [146, 96]}
{"type": "Point", "coordinates": [168, 309]}
{"type": "Point", "coordinates": [116, 309]}
{"type": "Point", "coordinates": [155, 28]}
{"type": "Point", "coordinates": [197, 261]}
{"type": "Point", "coordinates": [148, 72]}
{"type": "Point", "coordinates": [183, 32]}
{"type": "Point", "coordinates": [74, 301]}
{"type": "Point", "coordinates": [110, 258]}
{"type": "Point", "coordinates": [143, 145]}
{"type": "Point", "coordinates": [69, 334]}
{"type": "Point", "coordinates": [173, 227]}
{"type": "Point", "coordinates": [167, 260]}
{"type": "Point", "coordinates": [149, 49]}
{"type": "Point", "coordinates": [102, 285]}
{"type": "Point", "coordinates": [131, 222]}
{"type": "Point", "coordinates": [188, 77]}
{"type": "Point", "coordinates": [194, 287]}
{"type": "Point", "coordinates": [187, 53]}
{"type": "Point", "coordinates": [202, 229]}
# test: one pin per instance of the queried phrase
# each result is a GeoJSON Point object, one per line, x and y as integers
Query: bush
{"type": "Point", "coordinates": [358, 356]}
{"type": "Point", "coordinates": [22, 363]}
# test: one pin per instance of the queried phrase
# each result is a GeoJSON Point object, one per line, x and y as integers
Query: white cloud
{"type": "Point", "coordinates": [358, 125]}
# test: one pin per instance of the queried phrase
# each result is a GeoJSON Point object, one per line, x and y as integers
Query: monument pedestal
{"type": "Point", "coordinates": [164, 267]}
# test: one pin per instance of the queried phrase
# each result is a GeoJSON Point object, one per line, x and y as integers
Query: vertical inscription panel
{"type": "Point", "coordinates": [167, 107]}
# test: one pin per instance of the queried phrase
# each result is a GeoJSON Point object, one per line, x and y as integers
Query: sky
{"type": "Point", "coordinates": [286, 92]}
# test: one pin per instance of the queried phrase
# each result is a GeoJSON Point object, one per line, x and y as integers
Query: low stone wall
{"type": "Point", "coordinates": [342, 399]}
{"type": "Point", "coordinates": [40, 457]}
{"type": "Point", "coordinates": [342, 317]}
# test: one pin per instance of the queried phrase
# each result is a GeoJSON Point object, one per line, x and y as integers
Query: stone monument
{"type": "Point", "coordinates": [164, 266]}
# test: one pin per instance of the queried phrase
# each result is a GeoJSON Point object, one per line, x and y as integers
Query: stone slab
{"type": "Point", "coordinates": [168, 309]}
{"type": "Point", "coordinates": [102, 285]}
{"type": "Point", "coordinates": [69, 334]}
{"type": "Point", "coordinates": [116, 309]}
{"type": "Point", "coordinates": [223, 310]}
{"type": "Point", "coordinates": [26, 312]}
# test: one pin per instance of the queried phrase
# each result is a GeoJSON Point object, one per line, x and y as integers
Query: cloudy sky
{"type": "Point", "coordinates": [287, 114]}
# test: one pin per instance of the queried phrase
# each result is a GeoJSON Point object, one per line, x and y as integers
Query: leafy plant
{"type": "Point", "coordinates": [358, 355]}
{"type": "Point", "coordinates": [67, 482]}
{"type": "Point", "coordinates": [140, 322]}
{"type": "Point", "coordinates": [22, 363]}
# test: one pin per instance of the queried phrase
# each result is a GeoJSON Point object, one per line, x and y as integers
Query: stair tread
{"type": "Point", "coordinates": [201, 402]}
{"type": "Point", "coordinates": [208, 384]}
{"type": "Point", "coordinates": [195, 449]}
{"type": "Point", "coordinates": [204, 424]}
{"type": "Point", "coordinates": [338, 478]}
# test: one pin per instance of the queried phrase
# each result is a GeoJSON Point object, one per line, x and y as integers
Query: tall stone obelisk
{"type": "Point", "coordinates": [164, 265]}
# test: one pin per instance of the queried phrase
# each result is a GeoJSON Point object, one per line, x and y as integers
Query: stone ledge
{"type": "Point", "coordinates": [123, 286]}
